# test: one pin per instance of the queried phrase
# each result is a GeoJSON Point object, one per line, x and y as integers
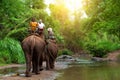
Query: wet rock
{"type": "Point", "coordinates": [22, 75]}
{"type": "Point", "coordinates": [99, 59]}
{"type": "Point", "coordinates": [65, 58]}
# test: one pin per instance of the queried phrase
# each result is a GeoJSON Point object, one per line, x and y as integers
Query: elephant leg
{"type": "Point", "coordinates": [33, 65]}
{"type": "Point", "coordinates": [52, 64]}
{"type": "Point", "coordinates": [40, 65]}
{"type": "Point", "coordinates": [37, 66]}
{"type": "Point", "coordinates": [28, 65]}
{"type": "Point", "coordinates": [47, 63]}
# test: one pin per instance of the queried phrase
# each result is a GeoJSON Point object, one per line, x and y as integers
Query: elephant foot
{"type": "Point", "coordinates": [37, 73]}
{"type": "Point", "coordinates": [52, 67]}
{"type": "Point", "coordinates": [41, 68]}
{"type": "Point", "coordinates": [28, 75]}
{"type": "Point", "coordinates": [47, 68]}
{"type": "Point", "coordinates": [33, 71]}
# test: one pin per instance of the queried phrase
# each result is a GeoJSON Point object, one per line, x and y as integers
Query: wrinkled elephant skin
{"type": "Point", "coordinates": [33, 47]}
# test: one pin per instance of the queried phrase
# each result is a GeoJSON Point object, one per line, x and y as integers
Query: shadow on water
{"type": "Point", "coordinates": [88, 70]}
{"type": "Point", "coordinates": [13, 71]}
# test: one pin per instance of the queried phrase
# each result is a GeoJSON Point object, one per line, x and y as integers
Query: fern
{"type": "Point", "coordinates": [11, 51]}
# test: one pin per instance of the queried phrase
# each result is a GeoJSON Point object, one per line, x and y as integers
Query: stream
{"type": "Point", "coordinates": [81, 69]}
{"type": "Point", "coordinates": [86, 70]}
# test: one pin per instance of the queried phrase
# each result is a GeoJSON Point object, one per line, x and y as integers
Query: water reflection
{"type": "Point", "coordinates": [92, 71]}
{"type": "Point", "coordinates": [14, 71]}
{"type": "Point", "coordinates": [79, 70]}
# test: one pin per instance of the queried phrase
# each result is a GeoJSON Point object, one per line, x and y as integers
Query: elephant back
{"type": "Point", "coordinates": [33, 39]}
{"type": "Point", "coordinates": [52, 49]}
{"type": "Point", "coordinates": [32, 42]}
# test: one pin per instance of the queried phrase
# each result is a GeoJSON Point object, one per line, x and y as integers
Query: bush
{"type": "Point", "coordinates": [100, 49]}
{"type": "Point", "coordinates": [65, 52]}
{"type": "Point", "coordinates": [5, 56]}
{"type": "Point", "coordinates": [11, 51]}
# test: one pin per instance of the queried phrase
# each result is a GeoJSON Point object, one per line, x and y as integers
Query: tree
{"type": "Point", "coordinates": [14, 13]}
{"type": "Point", "coordinates": [60, 12]}
{"type": "Point", "coordinates": [103, 26]}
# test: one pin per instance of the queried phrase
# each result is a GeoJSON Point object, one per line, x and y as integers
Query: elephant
{"type": "Point", "coordinates": [51, 51]}
{"type": "Point", "coordinates": [33, 47]}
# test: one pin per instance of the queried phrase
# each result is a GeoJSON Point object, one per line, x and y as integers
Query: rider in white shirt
{"type": "Point", "coordinates": [41, 26]}
{"type": "Point", "coordinates": [50, 33]}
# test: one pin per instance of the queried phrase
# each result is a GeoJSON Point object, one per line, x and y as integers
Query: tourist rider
{"type": "Point", "coordinates": [33, 25]}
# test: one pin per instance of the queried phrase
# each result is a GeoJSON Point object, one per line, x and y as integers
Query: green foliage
{"type": "Point", "coordinates": [102, 28]}
{"type": "Point", "coordinates": [15, 17]}
{"type": "Point", "coordinates": [100, 45]}
{"type": "Point", "coordinates": [65, 52]}
{"type": "Point", "coordinates": [98, 34]}
{"type": "Point", "coordinates": [5, 57]}
{"type": "Point", "coordinates": [10, 51]}
{"type": "Point", "coordinates": [19, 34]}
{"type": "Point", "coordinates": [13, 14]}
{"type": "Point", "coordinates": [60, 38]}
{"type": "Point", "coordinates": [60, 12]}
{"type": "Point", "coordinates": [37, 4]}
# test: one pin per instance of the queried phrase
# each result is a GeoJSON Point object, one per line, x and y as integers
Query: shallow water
{"type": "Point", "coordinates": [91, 71]}
{"type": "Point", "coordinates": [14, 71]}
{"type": "Point", "coordinates": [80, 70]}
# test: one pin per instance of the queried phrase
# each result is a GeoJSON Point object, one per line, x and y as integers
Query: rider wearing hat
{"type": "Point", "coordinates": [50, 33]}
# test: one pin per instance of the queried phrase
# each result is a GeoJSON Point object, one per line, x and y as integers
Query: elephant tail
{"type": "Point", "coordinates": [32, 45]}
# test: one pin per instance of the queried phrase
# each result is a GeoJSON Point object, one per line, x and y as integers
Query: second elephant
{"type": "Point", "coordinates": [51, 52]}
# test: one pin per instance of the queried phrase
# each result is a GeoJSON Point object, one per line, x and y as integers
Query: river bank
{"type": "Point", "coordinates": [51, 74]}
{"type": "Point", "coordinates": [44, 75]}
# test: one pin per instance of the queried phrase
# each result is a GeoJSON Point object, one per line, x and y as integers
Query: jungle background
{"type": "Point", "coordinates": [96, 34]}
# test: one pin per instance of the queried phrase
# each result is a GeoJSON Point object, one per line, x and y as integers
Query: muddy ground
{"type": "Point", "coordinates": [44, 75]}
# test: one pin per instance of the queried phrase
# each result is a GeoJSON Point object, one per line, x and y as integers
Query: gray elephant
{"type": "Point", "coordinates": [33, 47]}
{"type": "Point", "coordinates": [51, 51]}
